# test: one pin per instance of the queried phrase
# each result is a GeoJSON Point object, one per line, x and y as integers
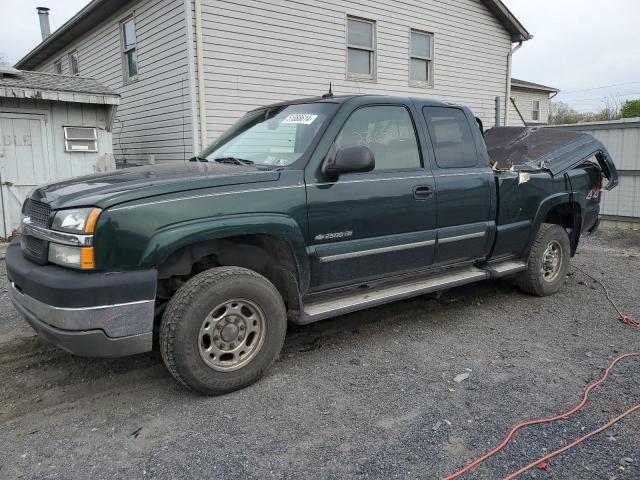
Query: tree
{"type": "Point", "coordinates": [562, 113]}
{"type": "Point", "coordinates": [631, 108]}
{"type": "Point", "coordinates": [3, 61]}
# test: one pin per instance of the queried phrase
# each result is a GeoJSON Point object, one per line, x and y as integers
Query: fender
{"type": "Point", "coordinates": [174, 237]}
{"type": "Point", "coordinates": [544, 208]}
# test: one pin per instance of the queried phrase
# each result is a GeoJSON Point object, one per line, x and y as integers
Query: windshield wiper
{"type": "Point", "coordinates": [234, 160]}
{"type": "Point", "coordinates": [198, 159]}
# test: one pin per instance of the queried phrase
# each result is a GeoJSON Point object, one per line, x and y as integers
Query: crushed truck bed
{"type": "Point", "coordinates": [552, 149]}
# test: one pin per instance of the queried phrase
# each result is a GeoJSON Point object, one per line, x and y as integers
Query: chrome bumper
{"type": "Point", "coordinates": [100, 331]}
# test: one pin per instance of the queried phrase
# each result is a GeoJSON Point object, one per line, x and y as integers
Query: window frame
{"type": "Point", "coordinates": [57, 63]}
{"type": "Point", "coordinates": [70, 56]}
{"type": "Point", "coordinates": [535, 112]}
{"type": "Point", "coordinates": [429, 60]}
{"type": "Point", "coordinates": [124, 50]}
{"type": "Point", "coordinates": [68, 138]}
{"type": "Point", "coordinates": [371, 77]}
{"type": "Point", "coordinates": [415, 132]}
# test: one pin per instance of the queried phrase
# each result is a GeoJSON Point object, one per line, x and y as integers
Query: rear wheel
{"type": "Point", "coordinates": [548, 261]}
{"type": "Point", "coordinates": [222, 330]}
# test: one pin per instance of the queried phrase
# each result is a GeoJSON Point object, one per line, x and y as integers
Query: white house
{"type": "Point", "coordinates": [187, 69]}
{"type": "Point", "coordinates": [530, 103]}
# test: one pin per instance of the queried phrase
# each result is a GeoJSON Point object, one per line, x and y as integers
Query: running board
{"type": "Point", "coordinates": [507, 267]}
{"type": "Point", "coordinates": [320, 310]}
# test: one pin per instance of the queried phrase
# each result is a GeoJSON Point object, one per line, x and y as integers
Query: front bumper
{"type": "Point", "coordinates": [88, 314]}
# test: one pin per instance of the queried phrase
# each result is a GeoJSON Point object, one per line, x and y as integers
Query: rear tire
{"type": "Point", "coordinates": [222, 330]}
{"type": "Point", "coordinates": [548, 261]}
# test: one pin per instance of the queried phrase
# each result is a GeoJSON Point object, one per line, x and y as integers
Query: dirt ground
{"type": "Point", "coordinates": [369, 394]}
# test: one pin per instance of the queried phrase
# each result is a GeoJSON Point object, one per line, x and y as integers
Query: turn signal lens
{"type": "Point", "coordinates": [87, 261]}
{"type": "Point", "coordinates": [92, 219]}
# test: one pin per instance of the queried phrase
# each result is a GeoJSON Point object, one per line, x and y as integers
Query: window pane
{"type": "Point", "coordinates": [73, 63]}
{"type": "Point", "coordinates": [132, 63]}
{"type": "Point", "coordinates": [359, 61]}
{"type": "Point", "coordinates": [420, 44]}
{"type": "Point", "coordinates": [451, 137]}
{"type": "Point", "coordinates": [129, 30]}
{"type": "Point", "coordinates": [419, 70]}
{"type": "Point", "coordinates": [57, 67]}
{"type": "Point", "coordinates": [387, 131]}
{"type": "Point", "coordinates": [360, 33]}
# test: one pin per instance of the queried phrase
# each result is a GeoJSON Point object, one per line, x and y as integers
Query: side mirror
{"type": "Point", "coordinates": [353, 159]}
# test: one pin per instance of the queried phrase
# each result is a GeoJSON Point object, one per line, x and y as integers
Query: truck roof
{"type": "Point", "coordinates": [343, 98]}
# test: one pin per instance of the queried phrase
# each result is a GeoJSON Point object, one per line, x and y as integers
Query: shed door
{"type": "Point", "coordinates": [24, 163]}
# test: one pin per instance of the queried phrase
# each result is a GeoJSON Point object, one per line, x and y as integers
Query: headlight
{"type": "Point", "coordinates": [79, 221]}
{"type": "Point", "coordinates": [74, 257]}
{"type": "Point", "coordinates": [76, 220]}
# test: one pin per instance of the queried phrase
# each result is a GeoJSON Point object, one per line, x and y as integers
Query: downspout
{"type": "Point", "coordinates": [192, 77]}
{"type": "Point", "coordinates": [508, 92]}
{"type": "Point", "coordinates": [200, 65]}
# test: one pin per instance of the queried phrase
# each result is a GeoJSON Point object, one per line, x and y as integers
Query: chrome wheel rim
{"type": "Point", "coordinates": [551, 261]}
{"type": "Point", "coordinates": [231, 335]}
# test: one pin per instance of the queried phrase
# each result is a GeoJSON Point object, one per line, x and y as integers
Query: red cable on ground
{"type": "Point", "coordinates": [564, 415]}
{"type": "Point", "coordinates": [626, 319]}
{"type": "Point", "coordinates": [574, 443]}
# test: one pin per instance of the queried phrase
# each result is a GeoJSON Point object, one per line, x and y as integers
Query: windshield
{"type": "Point", "coordinates": [276, 137]}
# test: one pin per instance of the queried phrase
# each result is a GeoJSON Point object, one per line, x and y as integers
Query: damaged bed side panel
{"type": "Point", "coordinates": [551, 149]}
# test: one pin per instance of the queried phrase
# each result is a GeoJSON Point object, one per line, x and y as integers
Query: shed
{"type": "Point", "coordinates": [52, 127]}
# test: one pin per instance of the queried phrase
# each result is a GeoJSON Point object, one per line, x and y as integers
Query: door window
{"type": "Point", "coordinates": [451, 137]}
{"type": "Point", "coordinates": [388, 131]}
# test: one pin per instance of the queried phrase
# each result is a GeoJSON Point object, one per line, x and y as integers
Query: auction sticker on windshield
{"type": "Point", "coordinates": [303, 118]}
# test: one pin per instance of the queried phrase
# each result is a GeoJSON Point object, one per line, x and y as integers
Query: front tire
{"type": "Point", "coordinates": [222, 330]}
{"type": "Point", "coordinates": [548, 261]}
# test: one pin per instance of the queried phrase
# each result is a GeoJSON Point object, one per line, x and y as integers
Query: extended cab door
{"type": "Point", "coordinates": [378, 223]}
{"type": "Point", "coordinates": [465, 187]}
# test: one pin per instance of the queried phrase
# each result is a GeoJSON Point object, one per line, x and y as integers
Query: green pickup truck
{"type": "Point", "coordinates": [301, 211]}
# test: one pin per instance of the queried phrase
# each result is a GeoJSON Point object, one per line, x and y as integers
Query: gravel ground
{"type": "Point", "coordinates": [369, 394]}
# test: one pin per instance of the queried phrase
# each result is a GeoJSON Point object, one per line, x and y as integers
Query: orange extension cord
{"type": "Point", "coordinates": [540, 461]}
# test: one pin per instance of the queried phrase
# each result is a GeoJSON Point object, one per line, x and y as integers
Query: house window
{"type": "Point", "coordinates": [57, 67]}
{"type": "Point", "coordinates": [80, 139]}
{"type": "Point", "coordinates": [535, 112]}
{"type": "Point", "coordinates": [73, 63]}
{"type": "Point", "coordinates": [421, 58]}
{"type": "Point", "coordinates": [129, 50]}
{"type": "Point", "coordinates": [361, 54]}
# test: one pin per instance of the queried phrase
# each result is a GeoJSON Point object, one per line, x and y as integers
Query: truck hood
{"type": "Point", "coordinates": [108, 189]}
{"type": "Point", "coordinates": [544, 148]}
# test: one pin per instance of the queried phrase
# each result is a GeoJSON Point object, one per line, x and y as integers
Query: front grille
{"type": "Point", "coordinates": [38, 212]}
{"type": "Point", "coordinates": [34, 246]}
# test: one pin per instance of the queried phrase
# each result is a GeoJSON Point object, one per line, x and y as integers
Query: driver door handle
{"type": "Point", "coordinates": [422, 192]}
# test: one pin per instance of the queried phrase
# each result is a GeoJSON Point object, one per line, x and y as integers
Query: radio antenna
{"type": "Point", "coordinates": [329, 94]}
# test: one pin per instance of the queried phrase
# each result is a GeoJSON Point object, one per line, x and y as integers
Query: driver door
{"type": "Point", "coordinates": [370, 225]}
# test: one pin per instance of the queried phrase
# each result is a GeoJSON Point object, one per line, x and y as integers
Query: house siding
{"type": "Point", "coordinates": [257, 53]}
{"type": "Point", "coordinates": [524, 100]}
{"type": "Point", "coordinates": [154, 119]}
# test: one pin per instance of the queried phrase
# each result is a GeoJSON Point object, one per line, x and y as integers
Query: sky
{"type": "Point", "coordinates": [589, 49]}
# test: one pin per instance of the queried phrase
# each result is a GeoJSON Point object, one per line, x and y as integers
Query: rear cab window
{"type": "Point", "coordinates": [451, 137]}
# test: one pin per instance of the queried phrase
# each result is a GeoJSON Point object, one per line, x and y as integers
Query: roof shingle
{"type": "Point", "coordinates": [55, 83]}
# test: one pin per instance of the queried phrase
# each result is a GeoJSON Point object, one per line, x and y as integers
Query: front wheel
{"type": "Point", "coordinates": [222, 330]}
{"type": "Point", "coordinates": [548, 261]}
